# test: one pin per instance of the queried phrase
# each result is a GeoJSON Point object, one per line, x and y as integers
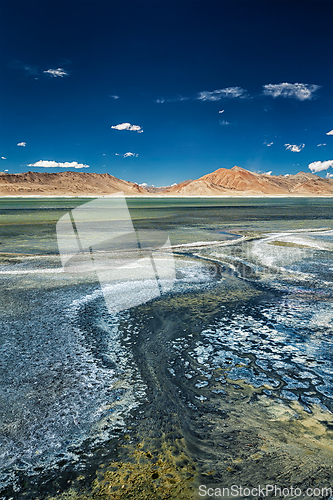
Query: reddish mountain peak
{"type": "Point", "coordinates": [239, 169]}
{"type": "Point", "coordinates": [308, 175]}
{"type": "Point", "coordinates": [230, 172]}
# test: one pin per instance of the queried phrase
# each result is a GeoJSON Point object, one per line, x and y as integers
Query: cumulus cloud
{"type": "Point", "coordinates": [55, 164]}
{"type": "Point", "coordinates": [223, 122]}
{"type": "Point", "coordinates": [330, 132]}
{"type": "Point", "coordinates": [300, 91]}
{"type": "Point", "coordinates": [56, 72]}
{"type": "Point", "coordinates": [217, 95]}
{"type": "Point", "coordinates": [222, 111]}
{"type": "Point", "coordinates": [128, 126]}
{"type": "Point", "coordinates": [127, 155]}
{"type": "Point", "coordinates": [328, 175]}
{"type": "Point", "coordinates": [294, 148]}
{"type": "Point", "coordinates": [22, 144]}
{"type": "Point", "coordinates": [268, 144]}
{"type": "Point", "coordinates": [3, 158]}
{"type": "Point", "coordinates": [114, 96]}
{"type": "Point", "coordinates": [318, 166]}
{"type": "Point", "coordinates": [323, 144]}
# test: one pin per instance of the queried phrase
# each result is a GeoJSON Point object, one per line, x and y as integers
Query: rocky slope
{"type": "Point", "coordinates": [229, 182]}
{"type": "Point", "coordinates": [65, 183]}
{"type": "Point", "coordinates": [238, 181]}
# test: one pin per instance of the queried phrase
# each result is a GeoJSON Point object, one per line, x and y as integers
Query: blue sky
{"type": "Point", "coordinates": [189, 87]}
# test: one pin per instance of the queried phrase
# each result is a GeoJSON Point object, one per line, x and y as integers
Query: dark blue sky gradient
{"type": "Point", "coordinates": [144, 51]}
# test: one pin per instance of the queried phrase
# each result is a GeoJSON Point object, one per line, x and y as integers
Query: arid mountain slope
{"type": "Point", "coordinates": [229, 182]}
{"type": "Point", "coordinates": [238, 181]}
{"type": "Point", "coordinates": [65, 183]}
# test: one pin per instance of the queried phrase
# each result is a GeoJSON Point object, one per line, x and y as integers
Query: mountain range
{"type": "Point", "coordinates": [238, 181]}
{"type": "Point", "coordinates": [66, 183]}
{"type": "Point", "coordinates": [228, 182]}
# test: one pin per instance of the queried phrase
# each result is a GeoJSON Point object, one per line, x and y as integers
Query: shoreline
{"type": "Point", "coordinates": [222, 196]}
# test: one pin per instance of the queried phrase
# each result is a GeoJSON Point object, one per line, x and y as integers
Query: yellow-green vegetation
{"type": "Point", "coordinates": [148, 474]}
{"type": "Point", "coordinates": [209, 302]}
{"type": "Point", "coordinates": [288, 244]}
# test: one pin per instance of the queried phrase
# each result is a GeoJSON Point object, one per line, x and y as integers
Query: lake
{"type": "Point", "coordinates": [224, 378]}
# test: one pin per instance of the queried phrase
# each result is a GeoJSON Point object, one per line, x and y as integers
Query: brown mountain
{"type": "Point", "coordinates": [65, 183]}
{"type": "Point", "coordinates": [229, 182]}
{"type": "Point", "coordinates": [238, 181]}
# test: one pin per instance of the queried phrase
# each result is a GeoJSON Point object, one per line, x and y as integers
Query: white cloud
{"type": "Point", "coordinates": [318, 166]}
{"type": "Point", "coordinates": [173, 99]}
{"type": "Point", "coordinates": [128, 126]}
{"type": "Point", "coordinates": [127, 155]}
{"type": "Point", "coordinates": [223, 122]}
{"type": "Point", "coordinates": [3, 158]}
{"type": "Point", "coordinates": [55, 164]}
{"type": "Point", "coordinates": [222, 111]}
{"type": "Point", "coordinates": [6, 170]}
{"type": "Point", "coordinates": [328, 175]}
{"type": "Point", "coordinates": [330, 132]}
{"type": "Point", "coordinates": [22, 144]}
{"type": "Point", "coordinates": [262, 172]}
{"type": "Point", "coordinates": [56, 72]}
{"type": "Point", "coordinates": [143, 184]}
{"type": "Point", "coordinates": [268, 144]}
{"type": "Point", "coordinates": [114, 96]}
{"type": "Point", "coordinates": [323, 144]}
{"type": "Point", "coordinates": [217, 95]}
{"type": "Point", "coordinates": [294, 148]}
{"type": "Point", "coordinates": [300, 91]}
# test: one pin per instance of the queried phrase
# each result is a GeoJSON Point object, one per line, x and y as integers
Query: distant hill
{"type": "Point", "coordinates": [65, 183]}
{"type": "Point", "coordinates": [229, 182]}
{"type": "Point", "coordinates": [238, 181]}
